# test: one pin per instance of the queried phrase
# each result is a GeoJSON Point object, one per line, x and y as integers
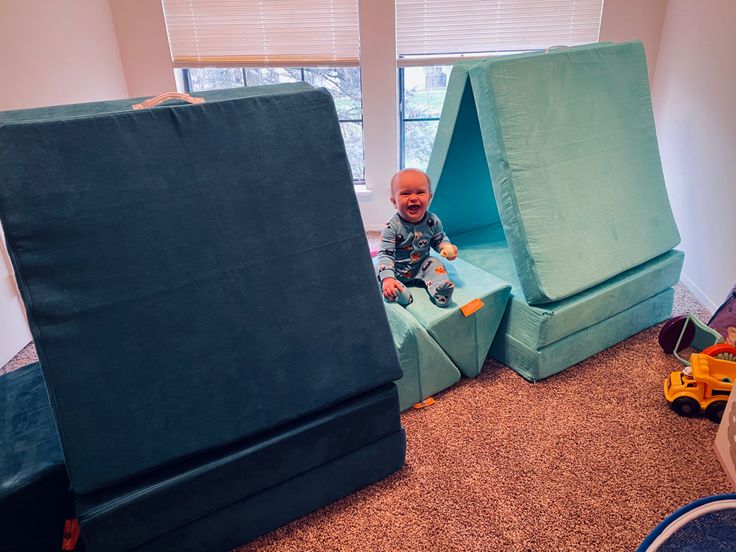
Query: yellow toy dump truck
{"type": "Point", "coordinates": [705, 385]}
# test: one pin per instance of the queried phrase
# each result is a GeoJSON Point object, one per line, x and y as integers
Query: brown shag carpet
{"type": "Point", "coordinates": [589, 459]}
{"type": "Point", "coordinates": [26, 356]}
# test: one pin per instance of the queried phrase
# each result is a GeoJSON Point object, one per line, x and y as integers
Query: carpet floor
{"type": "Point", "coordinates": [591, 459]}
{"type": "Point", "coordinates": [588, 460]}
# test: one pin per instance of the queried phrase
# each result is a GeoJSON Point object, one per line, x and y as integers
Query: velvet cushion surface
{"type": "Point", "coordinates": [539, 326]}
{"type": "Point", "coordinates": [565, 140]}
{"type": "Point", "coordinates": [184, 270]}
{"type": "Point", "coordinates": [265, 511]}
{"type": "Point", "coordinates": [535, 365]}
{"type": "Point", "coordinates": [427, 368]}
{"type": "Point", "coordinates": [129, 516]}
{"type": "Point", "coordinates": [34, 487]}
{"type": "Point", "coordinates": [465, 339]}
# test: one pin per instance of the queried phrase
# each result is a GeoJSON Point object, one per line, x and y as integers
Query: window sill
{"type": "Point", "coordinates": [361, 190]}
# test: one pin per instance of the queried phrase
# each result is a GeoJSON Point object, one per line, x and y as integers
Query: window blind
{"type": "Point", "coordinates": [451, 28]}
{"type": "Point", "coordinates": [265, 33]}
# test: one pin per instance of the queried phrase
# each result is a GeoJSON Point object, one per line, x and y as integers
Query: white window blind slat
{"type": "Point", "coordinates": [262, 33]}
{"type": "Point", "coordinates": [431, 28]}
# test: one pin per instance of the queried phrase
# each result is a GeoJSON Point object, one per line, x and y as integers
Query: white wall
{"type": "Point", "coordinates": [57, 52]}
{"type": "Point", "coordinates": [625, 20]}
{"type": "Point", "coordinates": [695, 111]}
{"type": "Point", "coordinates": [144, 46]}
{"type": "Point", "coordinates": [14, 332]}
{"type": "Point", "coordinates": [379, 81]}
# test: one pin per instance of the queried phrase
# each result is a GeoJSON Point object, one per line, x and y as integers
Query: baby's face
{"type": "Point", "coordinates": [411, 196]}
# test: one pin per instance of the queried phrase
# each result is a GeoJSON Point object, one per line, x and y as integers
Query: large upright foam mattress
{"type": "Point", "coordinates": [199, 288]}
{"type": "Point", "coordinates": [576, 166]}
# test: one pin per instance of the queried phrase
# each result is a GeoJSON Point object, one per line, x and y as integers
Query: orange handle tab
{"type": "Point", "coordinates": [166, 96]}
{"type": "Point", "coordinates": [429, 401]}
{"type": "Point", "coordinates": [71, 534]}
{"type": "Point", "coordinates": [470, 308]}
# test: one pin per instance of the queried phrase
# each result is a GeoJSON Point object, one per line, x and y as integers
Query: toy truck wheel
{"type": "Point", "coordinates": [722, 351]}
{"type": "Point", "coordinates": [686, 406]}
{"type": "Point", "coordinates": [715, 411]}
{"type": "Point", "coordinates": [670, 333]}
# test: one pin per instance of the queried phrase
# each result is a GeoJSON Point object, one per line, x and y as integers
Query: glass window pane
{"type": "Point", "coordinates": [418, 140]}
{"type": "Point", "coordinates": [272, 75]}
{"type": "Point", "coordinates": [424, 90]}
{"type": "Point", "coordinates": [213, 79]}
{"type": "Point", "coordinates": [352, 133]}
{"type": "Point", "coordinates": [344, 85]}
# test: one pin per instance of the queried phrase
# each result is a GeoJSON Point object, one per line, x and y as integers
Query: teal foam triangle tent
{"type": "Point", "coordinates": [551, 144]}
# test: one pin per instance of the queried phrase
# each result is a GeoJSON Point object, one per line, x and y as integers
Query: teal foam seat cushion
{"type": "Point", "coordinates": [35, 499]}
{"type": "Point", "coordinates": [537, 326]}
{"type": "Point", "coordinates": [537, 364]}
{"type": "Point", "coordinates": [186, 271]}
{"type": "Point", "coordinates": [561, 148]}
{"type": "Point", "coordinates": [465, 339]}
{"type": "Point", "coordinates": [249, 479]}
{"type": "Point", "coordinates": [427, 368]}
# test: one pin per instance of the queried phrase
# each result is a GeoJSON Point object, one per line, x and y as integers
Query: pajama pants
{"type": "Point", "coordinates": [433, 276]}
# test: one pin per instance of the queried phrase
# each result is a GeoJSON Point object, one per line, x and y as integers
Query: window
{"type": "Point", "coordinates": [421, 95]}
{"type": "Point", "coordinates": [342, 82]}
{"type": "Point", "coordinates": [228, 44]}
{"type": "Point", "coordinates": [432, 34]}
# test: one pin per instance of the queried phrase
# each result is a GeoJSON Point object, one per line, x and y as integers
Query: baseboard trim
{"type": "Point", "coordinates": [707, 302]}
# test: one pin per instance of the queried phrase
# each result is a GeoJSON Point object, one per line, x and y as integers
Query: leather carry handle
{"type": "Point", "coordinates": [166, 96]}
{"type": "Point", "coordinates": [557, 47]}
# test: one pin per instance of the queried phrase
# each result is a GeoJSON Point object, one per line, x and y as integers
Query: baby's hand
{"type": "Point", "coordinates": [391, 287]}
{"type": "Point", "coordinates": [448, 251]}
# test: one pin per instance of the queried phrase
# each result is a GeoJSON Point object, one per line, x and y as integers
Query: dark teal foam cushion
{"type": "Point", "coordinates": [194, 274]}
{"type": "Point", "coordinates": [34, 487]}
{"type": "Point", "coordinates": [567, 139]}
{"type": "Point", "coordinates": [143, 511]}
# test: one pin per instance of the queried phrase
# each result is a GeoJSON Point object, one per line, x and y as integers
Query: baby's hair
{"type": "Point", "coordinates": [395, 178]}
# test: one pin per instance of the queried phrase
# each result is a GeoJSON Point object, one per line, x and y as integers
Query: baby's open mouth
{"type": "Point", "coordinates": [413, 208]}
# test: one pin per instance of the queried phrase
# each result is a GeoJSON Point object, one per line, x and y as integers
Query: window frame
{"type": "Point", "coordinates": [403, 119]}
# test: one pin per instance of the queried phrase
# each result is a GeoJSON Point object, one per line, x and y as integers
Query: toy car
{"type": "Point", "coordinates": [705, 385]}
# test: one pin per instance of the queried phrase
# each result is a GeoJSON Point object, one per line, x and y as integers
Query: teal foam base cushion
{"type": "Point", "coordinates": [427, 368]}
{"type": "Point", "coordinates": [538, 326]}
{"type": "Point", "coordinates": [246, 478]}
{"type": "Point", "coordinates": [34, 489]}
{"type": "Point", "coordinates": [534, 365]}
{"type": "Point", "coordinates": [256, 515]}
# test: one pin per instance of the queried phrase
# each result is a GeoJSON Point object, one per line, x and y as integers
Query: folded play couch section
{"type": "Point", "coordinates": [437, 345]}
{"type": "Point", "coordinates": [217, 358]}
{"type": "Point", "coordinates": [35, 500]}
{"type": "Point", "coordinates": [546, 173]}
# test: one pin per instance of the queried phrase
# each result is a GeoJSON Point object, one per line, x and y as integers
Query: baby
{"type": "Point", "coordinates": [404, 254]}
